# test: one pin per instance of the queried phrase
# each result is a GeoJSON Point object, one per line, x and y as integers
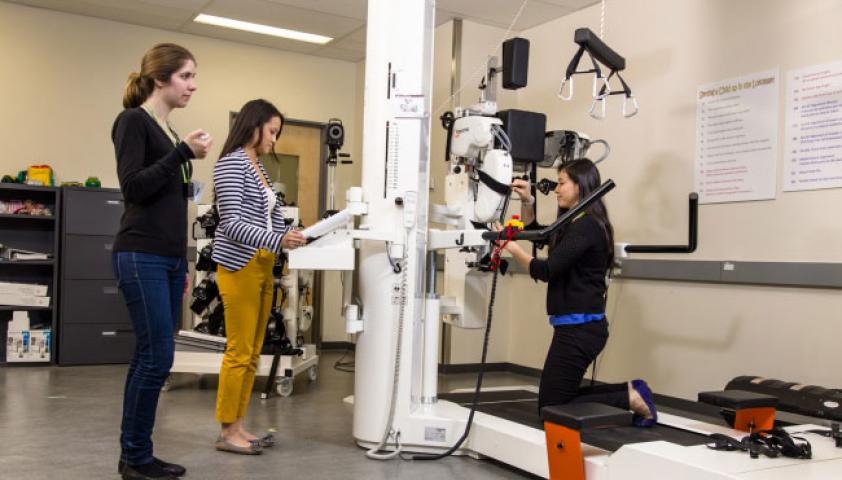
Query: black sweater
{"type": "Point", "coordinates": [575, 269]}
{"type": "Point", "coordinates": [149, 170]}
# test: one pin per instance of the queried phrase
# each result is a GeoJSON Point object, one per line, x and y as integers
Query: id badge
{"type": "Point", "coordinates": [193, 191]}
{"type": "Point", "coordinates": [189, 189]}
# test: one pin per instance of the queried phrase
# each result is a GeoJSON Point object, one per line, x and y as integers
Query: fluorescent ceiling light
{"type": "Point", "coordinates": [263, 29]}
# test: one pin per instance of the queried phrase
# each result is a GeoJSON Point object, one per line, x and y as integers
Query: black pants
{"type": "Point", "coordinates": [573, 348]}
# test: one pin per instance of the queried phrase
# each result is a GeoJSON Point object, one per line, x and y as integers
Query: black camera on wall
{"type": "Point", "coordinates": [334, 134]}
{"type": "Point", "coordinates": [207, 222]}
{"type": "Point", "coordinates": [206, 262]}
{"type": "Point", "coordinates": [203, 294]}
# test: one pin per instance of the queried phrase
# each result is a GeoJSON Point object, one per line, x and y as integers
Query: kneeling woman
{"type": "Point", "coordinates": [250, 234]}
{"type": "Point", "coordinates": [575, 270]}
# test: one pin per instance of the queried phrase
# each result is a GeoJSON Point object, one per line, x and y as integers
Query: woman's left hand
{"type": "Point", "coordinates": [293, 239]}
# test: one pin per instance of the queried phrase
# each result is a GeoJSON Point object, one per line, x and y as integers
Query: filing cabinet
{"type": "Point", "coordinates": [94, 324]}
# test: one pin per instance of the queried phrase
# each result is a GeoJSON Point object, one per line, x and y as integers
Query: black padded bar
{"type": "Point", "coordinates": [738, 399]}
{"type": "Point", "coordinates": [692, 234]}
{"type": "Point", "coordinates": [810, 400]}
{"type": "Point", "coordinates": [602, 52]}
{"type": "Point", "coordinates": [567, 217]}
{"type": "Point", "coordinates": [580, 416]}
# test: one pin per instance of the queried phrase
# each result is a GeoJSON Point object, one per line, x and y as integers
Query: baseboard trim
{"type": "Point", "coordinates": [471, 367]}
{"type": "Point", "coordinates": [338, 346]}
{"type": "Point", "coordinates": [454, 367]}
{"type": "Point", "coordinates": [490, 367]}
{"type": "Point", "coordinates": [523, 370]}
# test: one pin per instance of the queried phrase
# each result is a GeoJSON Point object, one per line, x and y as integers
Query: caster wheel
{"type": "Point", "coordinates": [284, 387]}
{"type": "Point", "coordinates": [313, 373]}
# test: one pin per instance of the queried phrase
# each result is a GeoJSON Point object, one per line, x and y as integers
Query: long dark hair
{"type": "Point", "coordinates": [584, 173]}
{"type": "Point", "coordinates": [159, 63]}
{"type": "Point", "coordinates": [254, 114]}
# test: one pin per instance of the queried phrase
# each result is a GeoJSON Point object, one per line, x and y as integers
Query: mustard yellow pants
{"type": "Point", "coordinates": [247, 300]}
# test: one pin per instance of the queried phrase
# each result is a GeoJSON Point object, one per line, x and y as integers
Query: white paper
{"type": "Point", "coordinates": [737, 138]}
{"type": "Point", "coordinates": [333, 222]}
{"type": "Point", "coordinates": [813, 155]}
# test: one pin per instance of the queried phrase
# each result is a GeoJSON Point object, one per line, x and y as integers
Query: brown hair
{"type": "Point", "coordinates": [158, 63]}
{"type": "Point", "coordinates": [253, 115]}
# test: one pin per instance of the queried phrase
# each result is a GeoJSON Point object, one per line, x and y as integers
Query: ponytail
{"type": "Point", "coordinates": [137, 91]}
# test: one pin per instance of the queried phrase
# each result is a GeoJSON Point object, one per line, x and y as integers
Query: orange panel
{"type": "Point", "coordinates": [564, 453]}
{"type": "Point", "coordinates": [754, 419]}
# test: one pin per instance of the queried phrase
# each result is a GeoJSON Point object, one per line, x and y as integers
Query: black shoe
{"type": "Point", "coordinates": [157, 466]}
{"type": "Point", "coordinates": [173, 469]}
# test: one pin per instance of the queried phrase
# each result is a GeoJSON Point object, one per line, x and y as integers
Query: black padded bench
{"type": "Point", "coordinates": [751, 411]}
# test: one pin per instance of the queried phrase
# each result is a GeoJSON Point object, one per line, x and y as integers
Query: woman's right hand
{"type": "Point", "coordinates": [521, 187]}
{"type": "Point", "coordinates": [199, 142]}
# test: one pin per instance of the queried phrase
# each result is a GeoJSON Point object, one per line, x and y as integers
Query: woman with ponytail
{"type": "Point", "coordinates": [154, 169]}
{"type": "Point", "coordinates": [576, 270]}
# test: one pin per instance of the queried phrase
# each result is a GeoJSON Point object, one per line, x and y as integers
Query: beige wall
{"type": "Point", "coordinates": [63, 76]}
{"type": "Point", "coordinates": [687, 337]}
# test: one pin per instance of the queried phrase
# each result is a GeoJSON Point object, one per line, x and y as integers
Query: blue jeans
{"type": "Point", "coordinates": [152, 286]}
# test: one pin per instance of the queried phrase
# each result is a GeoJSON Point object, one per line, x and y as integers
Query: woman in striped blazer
{"type": "Point", "coordinates": [250, 234]}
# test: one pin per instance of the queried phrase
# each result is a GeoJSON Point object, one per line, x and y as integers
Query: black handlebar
{"type": "Point", "coordinates": [567, 217]}
{"type": "Point", "coordinates": [692, 234]}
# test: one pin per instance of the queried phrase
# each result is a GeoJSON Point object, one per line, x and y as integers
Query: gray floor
{"type": "Point", "coordinates": [62, 423]}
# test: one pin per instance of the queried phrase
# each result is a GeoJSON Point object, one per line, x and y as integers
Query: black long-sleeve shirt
{"type": "Point", "coordinates": [575, 269]}
{"type": "Point", "coordinates": [151, 180]}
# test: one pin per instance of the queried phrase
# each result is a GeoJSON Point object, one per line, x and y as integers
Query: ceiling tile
{"type": "Point", "coordinates": [339, 53]}
{"type": "Point", "coordinates": [249, 38]}
{"type": "Point", "coordinates": [443, 16]}
{"type": "Point", "coordinates": [571, 4]}
{"type": "Point", "coordinates": [358, 35]}
{"type": "Point", "coordinates": [501, 13]}
{"type": "Point", "coordinates": [344, 20]}
{"type": "Point", "coordinates": [282, 16]}
{"type": "Point", "coordinates": [126, 11]}
{"type": "Point", "coordinates": [357, 9]}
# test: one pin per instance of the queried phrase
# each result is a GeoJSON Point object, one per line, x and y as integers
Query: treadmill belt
{"type": "Point", "coordinates": [521, 406]}
{"type": "Point", "coordinates": [690, 409]}
{"type": "Point", "coordinates": [612, 439]}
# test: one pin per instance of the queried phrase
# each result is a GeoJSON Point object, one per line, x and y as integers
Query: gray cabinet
{"type": "Point", "coordinates": [94, 322]}
{"type": "Point", "coordinates": [37, 233]}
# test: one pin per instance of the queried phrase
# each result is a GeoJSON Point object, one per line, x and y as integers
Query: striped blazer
{"type": "Point", "coordinates": [243, 211]}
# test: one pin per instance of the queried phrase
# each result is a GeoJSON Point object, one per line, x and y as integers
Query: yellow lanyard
{"type": "Point", "coordinates": [165, 126]}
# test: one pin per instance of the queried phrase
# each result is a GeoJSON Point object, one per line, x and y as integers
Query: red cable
{"type": "Point", "coordinates": [495, 256]}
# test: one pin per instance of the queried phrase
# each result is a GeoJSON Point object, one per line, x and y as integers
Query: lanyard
{"type": "Point", "coordinates": [186, 167]}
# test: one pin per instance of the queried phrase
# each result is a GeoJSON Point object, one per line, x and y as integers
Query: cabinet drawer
{"type": "Point", "coordinates": [93, 212]}
{"type": "Point", "coordinates": [93, 301]}
{"type": "Point", "coordinates": [95, 343]}
{"type": "Point", "coordinates": [88, 256]}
